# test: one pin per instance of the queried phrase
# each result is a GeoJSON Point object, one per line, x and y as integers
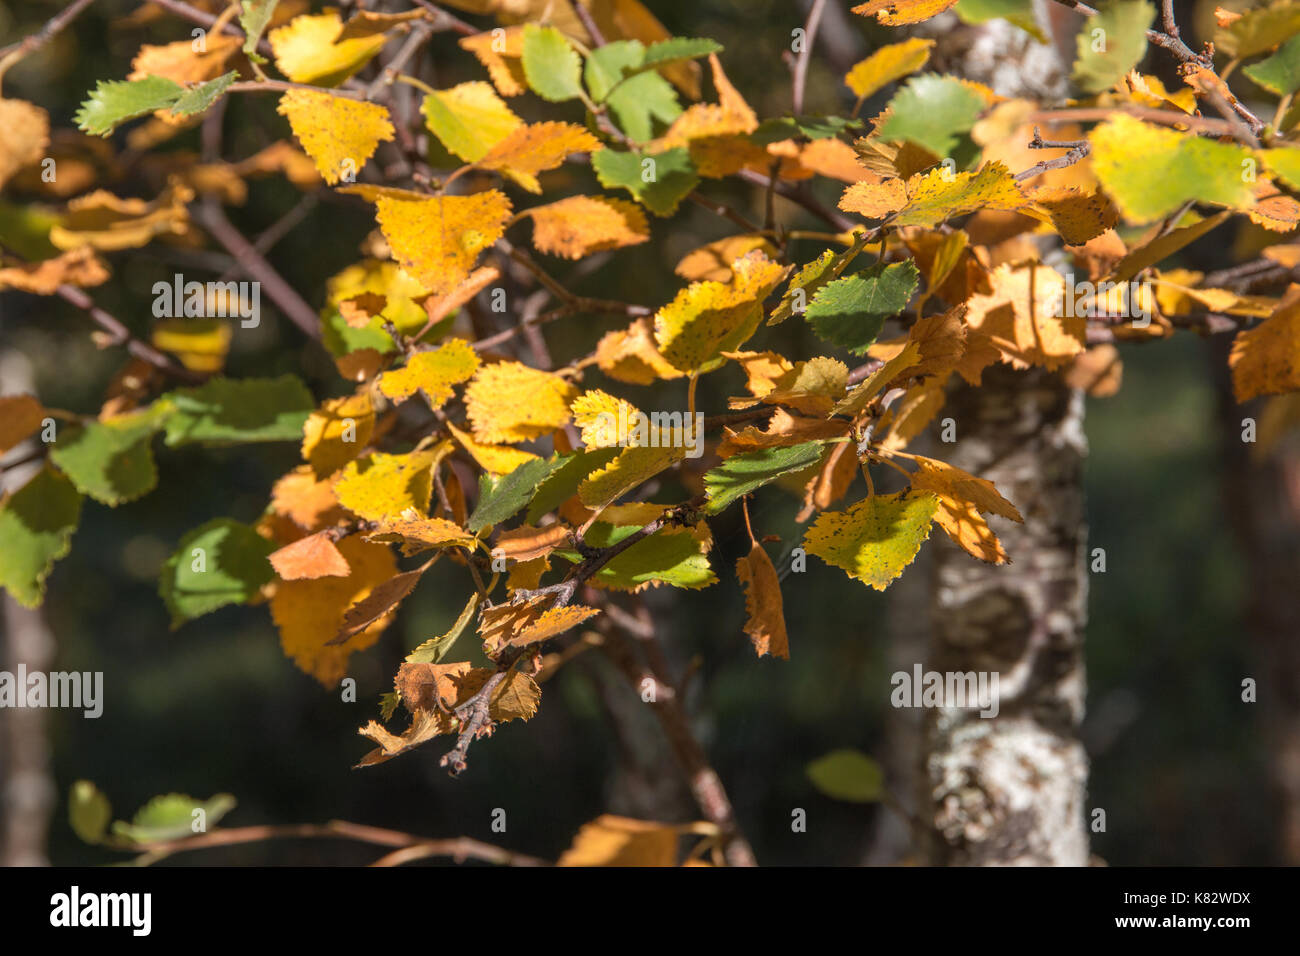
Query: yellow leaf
{"type": "Point", "coordinates": [937, 195]}
{"type": "Point", "coordinates": [315, 556]}
{"type": "Point", "coordinates": [894, 13]}
{"type": "Point", "coordinates": [310, 612]}
{"type": "Point", "coordinates": [875, 539]}
{"type": "Point", "coordinates": [619, 841]}
{"type": "Point", "coordinates": [1022, 316]}
{"type": "Point", "coordinates": [181, 63]}
{"type": "Point", "coordinates": [200, 344]}
{"type": "Point", "coordinates": [633, 467]}
{"type": "Point", "coordinates": [1076, 215]}
{"type": "Point", "coordinates": [963, 500]}
{"type": "Point", "coordinates": [711, 317]}
{"type": "Point", "coordinates": [509, 402]}
{"type": "Point", "coordinates": [336, 432]}
{"type": "Point", "coordinates": [306, 50]}
{"type": "Point", "coordinates": [20, 417]}
{"type": "Point", "coordinates": [79, 267]}
{"type": "Point", "coordinates": [340, 134]}
{"type": "Point", "coordinates": [306, 500]}
{"type": "Point", "coordinates": [469, 119]}
{"type": "Point", "coordinates": [552, 623]}
{"type": "Point", "coordinates": [888, 64]}
{"type": "Point", "coordinates": [437, 239]}
{"type": "Point", "coordinates": [535, 148]}
{"type": "Point", "coordinates": [383, 486]}
{"type": "Point", "coordinates": [417, 533]}
{"type": "Point", "coordinates": [367, 23]}
{"type": "Point", "coordinates": [500, 52]}
{"type": "Point", "coordinates": [526, 543]}
{"type": "Point", "coordinates": [730, 116]}
{"type": "Point", "coordinates": [765, 624]}
{"type": "Point", "coordinates": [27, 135]}
{"type": "Point", "coordinates": [580, 225]}
{"type": "Point", "coordinates": [434, 373]}
{"type": "Point", "coordinates": [875, 200]}
{"type": "Point", "coordinates": [598, 414]}
{"type": "Point", "coordinates": [106, 222]}
{"type": "Point", "coordinates": [812, 387]}
{"type": "Point", "coordinates": [630, 355]}
{"type": "Point", "coordinates": [712, 263]}
{"type": "Point", "coordinates": [1265, 360]}
{"type": "Point", "coordinates": [497, 459]}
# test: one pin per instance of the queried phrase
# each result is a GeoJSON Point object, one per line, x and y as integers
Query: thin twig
{"type": "Point", "coordinates": [285, 296]}
{"type": "Point", "coordinates": [805, 55]}
{"type": "Point", "coordinates": [16, 51]}
{"type": "Point", "coordinates": [458, 848]}
{"type": "Point", "coordinates": [121, 335]}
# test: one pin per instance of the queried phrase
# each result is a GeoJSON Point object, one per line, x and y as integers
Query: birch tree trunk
{"type": "Point", "coordinates": [1010, 789]}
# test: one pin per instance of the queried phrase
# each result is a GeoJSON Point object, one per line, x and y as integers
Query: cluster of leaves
{"type": "Point", "coordinates": [953, 208]}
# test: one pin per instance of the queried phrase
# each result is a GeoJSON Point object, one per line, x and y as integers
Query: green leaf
{"type": "Point", "coordinates": [635, 98]}
{"type": "Point", "coordinates": [742, 474]}
{"type": "Point", "coordinates": [932, 111]}
{"type": "Point", "coordinates": [254, 18]}
{"type": "Point", "coordinates": [562, 484]}
{"type": "Point", "coordinates": [513, 491]}
{"type": "Point", "coordinates": [808, 127]}
{"type": "Point", "coordinates": [639, 101]}
{"type": "Point", "coordinates": [88, 811]}
{"type": "Point", "coordinates": [229, 411]}
{"type": "Point", "coordinates": [36, 526]}
{"type": "Point", "coordinates": [1112, 43]}
{"type": "Point", "coordinates": [1259, 30]}
{"type": "Point", "coordinates": [810, 279]}
{"type": "Point", "coordinates": [1284, 163]}
{"type": "Point", "coordinates": [198, 98]}
{"type": "Point", "coordinates": [669, 556]}
{"type": "Point", "coordinates": [1017, 12]}
{"type": "Point", "coordinates": [112, 461]}
{"type": "Point", "coordinates": [874, 539]}
{"type": "Point", "coordinates": [388, 705]}
{"type": "Point", "coordinates": [659, 181]}
{"type": "Point", "coordinates": [850, 312]}
{"type": "Point", "coordinates": [1280, 73]}
{"type": "Point", "coordinates": [1150, 172]}
{"type": "Point", "coordinates": [113, 102]}
{"type": "Point", "coordinates": [172, 816]}
{"type": "Point", "coordinates": [551, 67]}
{"type": "Point", "coordinates": [435, 648]}
{"type": "Point", "coordinates": [607, 66]}
{"type": "Point", "coordinates": [848, 775]}
{"type": "Point", "coordinates": [677, 50]}
{"type": "Point", "coordinates": [219, 563]}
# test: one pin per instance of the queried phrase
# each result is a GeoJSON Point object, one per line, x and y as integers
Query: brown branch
{"type": "Point", "coordinates": [458, 848]}
{"type": "Point", "coordinates": [195, 15]}
{"type": "Point", "coordinates": [213, 219]}
{"type": "Point", "coordinates": [447, 21]}
{"type": "Point", "coordinates": [589, 24]}
{"type": "Point", "coordinates": [806, 200]}
{"type": "Point", "coordinates": [706, 786]}
{"type": "Point", "coordinates": [28, 44]}
{"type": "Point", "coordinates": [800, 80]}
{"type": "Point", "coordinates": [1203, 125]}
{"type": "Point", "coordinates": [119, 334]}
{"type": "Point", "coordinates": [1171, 39]}
{"type": "Point", "coordinates": [1078, 150]}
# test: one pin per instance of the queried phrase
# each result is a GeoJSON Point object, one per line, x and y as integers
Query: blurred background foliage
{"type": "Point", "coordinates": [1178, 762]}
